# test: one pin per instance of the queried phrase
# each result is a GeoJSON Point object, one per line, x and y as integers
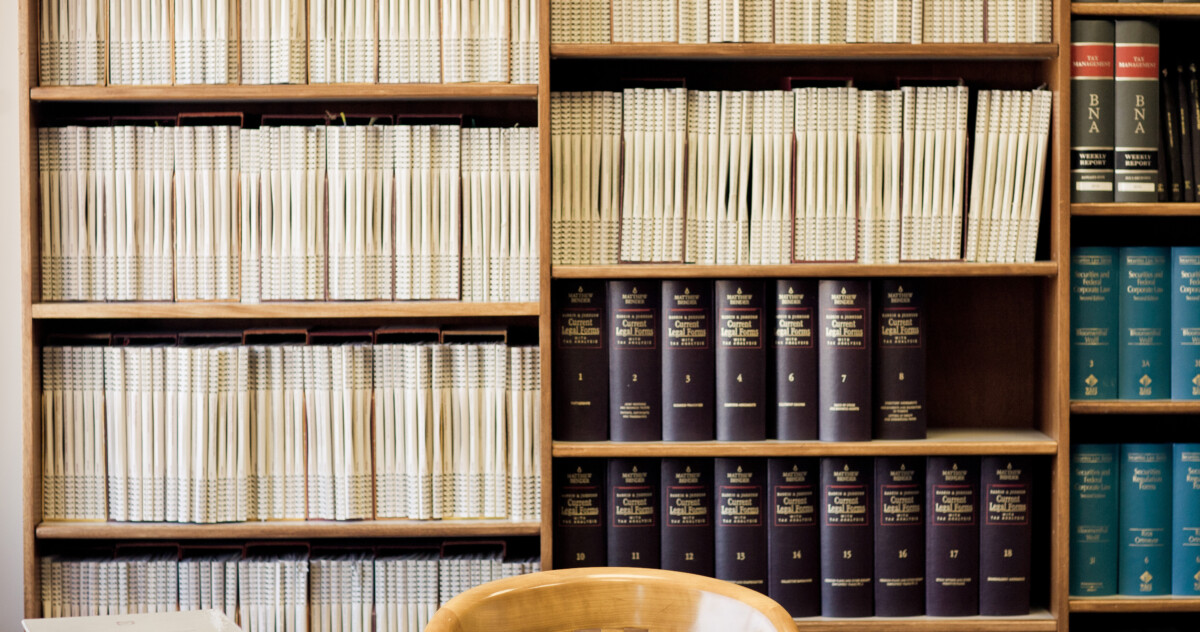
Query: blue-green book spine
{"type": "Point", "coordinates": [1145, 319]}
{"type": "Point", "coordinates": [1094, 469]}
{"type": "Point", "coordinates": [1145, 499]}
{"type": "Point", "coordinates": [1185, 323]}
{"type": "Point", "coordinates": [1094, 323]}
{"type": "Point", "coordinates": [1185, 520]}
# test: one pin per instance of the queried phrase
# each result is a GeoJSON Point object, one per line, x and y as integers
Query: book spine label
{"type": "Point", "coordinates": [1185, 323]}
{"type": "Point", "coordinates": [795, 360]}
{"type": "Point", "coordinates": [952, 537]}
{"type": "Point", "coordinates": [899, 404]}
{"type": "Point", "coordinates": [1135, 98]}
{"type": "Point", "coordinates": [847, 539]}
{"type": "Point", "coordinates": [687, 360]}
{"type": "Point", "coordinates": [635, 366]}
{"type": "Point", "coordinates": [633, 521]}
{"type": "Point", "coordinates": [899, 536]}
{"type": "Point", "coordinates": [741, 361]}
{"type": "Point", "coordinates": [1005, 535]}
{"type": "Point", "coordinates": [1145, 318]}
{"type": "Point", "coordinates": [1094, 469]}
{"type": "Point", "coordinates": [793, 536]}
{"type": "Point", "coordinates": [1094, 323]}
{"type": "Point", "coordinates": [1092, 110]}
{"type": "Point", "coordinates": [579, 538]}
{"type": "Point", "coordinates": [1185, 520]}
{"type": "Point", "coordinates": [1145, 519]}
{"type": "Point", "coordinates": [687, 511]}
{"type": "Point", "coordinates": [844, 354]}
{"type": "Point", "coordinates": [740, 554]}
{"type": "Point", "coordinates": [580, 361]}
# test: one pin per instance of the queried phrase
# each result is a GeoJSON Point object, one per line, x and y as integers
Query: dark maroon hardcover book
{"type": "Point", "coordinates": [844, 356]}
{"type": "Point", "coordinates": [741, 367]}
{"type": "Point", "coordinates": [900, 347]}
{"type": "Point", "coordinates": [794, 358]}
{"type": "Point", "coordinates": [847, 540]}
{"type": "Point", "coordinates": [633, 512]}
{"type": "Point", "coordinates": [793, 535]}
{"type": "Point", "coordinates": [1006, 483]}
{"type": "Point", "coordinates": [580, 361]}
{"type": "Point", "coordinates": [687, 515]}
{"type": "Point", "coordinates": [579, 504]}
{"type": "Point", "coordinates": [634, 361]}
{"type": "Point", "coordinates": [952, 536]}
{"type": "Point", "coordinates": [899, 536]}
{"type": "Point", "coordinates": [687, 360]}
{"type": "Point", "coordinates": [740, 552]}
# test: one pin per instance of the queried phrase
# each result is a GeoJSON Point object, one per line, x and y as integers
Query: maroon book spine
{"type": "Point", "coordinates": [847, 558]}
{"type": "Point", "coordinates": [633, 512]}
{"type": "Point", "coordinates": [741, 361]}
{"type": "Point", "coordinates": [740, 554]}
{"type": "Point", "coordinates": [844, 355]}
{"type": "Point", "coordinates": [952, 537]}
{"type": "Point", "coordinates": [1005, 535]}
{"type": "Point", "coordinates": [899, 536]}
{"type": "Point", "coordinates": [579, 489]}
{"type": "Point", "coordinates": [900, 361]}
{"type": "Point", "coordinates": [793, 535]}
{"type": "Point", "coordinates": [580, 362]}
{"type": "Point", "coordinates": [634, 363]}
{"type": "Point", "coordinates": [687, 360]}
{"type": "Point", "coordinates": [794, 350]}
{"type": "Point", "coordinates": [687, 515]}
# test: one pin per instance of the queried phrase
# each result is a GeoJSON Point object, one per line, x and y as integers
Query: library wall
{"type": "Point", "coordinates": [11, 604]}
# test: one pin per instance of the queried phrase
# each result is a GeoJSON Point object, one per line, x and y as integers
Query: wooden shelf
{"type": "Point", "coordinates": [324, 92]}
{"type": "Point", "coordinates": [282, 529]}
{"type": "Point", "coordinates": [734, 52]}
{"type": "Point", "coordinates": [363, 309]}
{"type": "Point", "coordinates": [1135, 407]}
{"type": "Point", "coordinates": [1135, 604]}
{"type": "Point", "coordinates": [950, 441]}
{"type": "Point", "coordinates": [1130, 9]}
{"type": "Point", "coordinates": [1166, 209]}
{"type": "Point", "coordinates": [933, 269]}
{"type": "Point", "coordinates": [1038, 620]}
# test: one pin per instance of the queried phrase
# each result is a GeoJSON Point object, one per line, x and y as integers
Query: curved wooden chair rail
{"type": "Point", "coordinates": [598, 599]}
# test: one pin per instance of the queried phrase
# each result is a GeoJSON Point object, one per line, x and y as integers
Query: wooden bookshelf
{"type": "Point", "coordinates": [735, 52]}
{"type": "Point", "coordinates": [1166, 209]}
{"type": "Point", "coordinates": [1135, 604]}
{"type": "Point", "coordinates": [296, 310]}
{"type": "Point", "coordinates": [1039, 620]}
{"type": "Point", "coordinates": [1134, 407]}
{"type": "Point", "coordinates": [1137, 9]}
{"type": "Point", "coordinates": [1011, 319]}
{"type": "Point", "coordinates": [924, 269]}
{"type": "Point", "coordinates": [285, 530]}
{"type": "Point", "coordinates": [940, 441]}
{"type": "Point", "coordinates": [285, 93]}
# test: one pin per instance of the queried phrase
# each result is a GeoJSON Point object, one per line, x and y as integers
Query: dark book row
{"type": "Point", "coordinates": [835, 537]}
{"type": "Point", "coordinates": [1135, 519]}
{"type": "Point", "coordinates": [1135, 323]}
{"type": "Point", "coordinates": [739, 360]}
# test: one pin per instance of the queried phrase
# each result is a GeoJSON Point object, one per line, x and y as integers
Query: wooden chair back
{"type": "Point", "coordinates": [603, 599]}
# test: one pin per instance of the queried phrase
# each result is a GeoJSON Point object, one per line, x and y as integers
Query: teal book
{"type": "Point", "coordinates": [1094, 469]}
{"type": "Point", "coordinates": [1185, 323]}
{"type": "Point", "coordinates": [1185, 520]}
{"type": "Point", "coordinates": [1145, 501]}
{"type": "Point", "coordinates": [1145, 319]}
{"type": "Point", "coordinates": [1094, 309]}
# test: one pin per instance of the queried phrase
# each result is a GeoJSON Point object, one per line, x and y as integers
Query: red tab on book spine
{"type": "Point", "coordinates": [1093, 61]}
{"type": "Point", "coordinates": [1136, 61]}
